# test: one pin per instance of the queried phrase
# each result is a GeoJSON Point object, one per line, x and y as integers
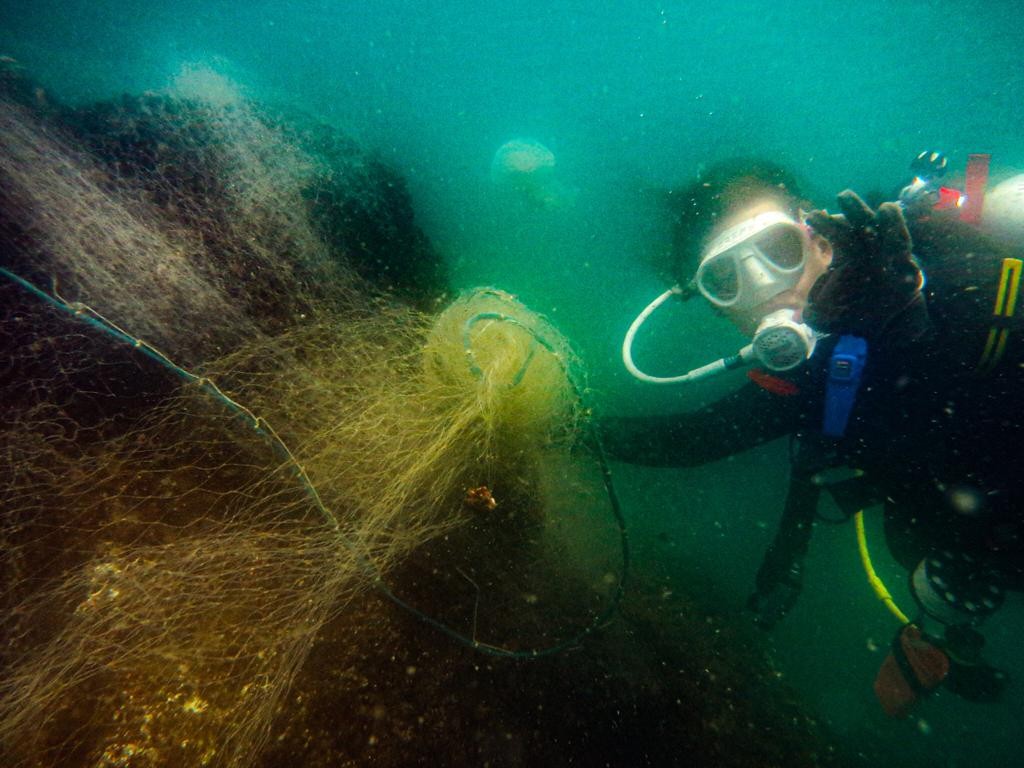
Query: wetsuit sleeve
{"type": "Point", "coordinates": [741, 420]}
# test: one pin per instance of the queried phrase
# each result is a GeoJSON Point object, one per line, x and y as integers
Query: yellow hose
{"type": "Point", "coordinates": [876, 583]}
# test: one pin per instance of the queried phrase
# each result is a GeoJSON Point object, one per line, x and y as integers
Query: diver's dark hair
{"type": "Point", "coordinates": [720, 190]}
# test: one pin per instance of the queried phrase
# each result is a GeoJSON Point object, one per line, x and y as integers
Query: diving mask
{"type": "Point", "coordinates": [745, 266]}
{"type": "Point", "coordinates": [753, 261]}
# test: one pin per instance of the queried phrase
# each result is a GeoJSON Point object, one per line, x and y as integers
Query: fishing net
{"type": "Point", "coordinates": [219, 432]}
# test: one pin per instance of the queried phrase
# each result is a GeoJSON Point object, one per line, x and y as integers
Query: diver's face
{"type": "Point", "coordinates": [817, 258]}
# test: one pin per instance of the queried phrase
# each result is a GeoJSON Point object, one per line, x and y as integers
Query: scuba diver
{"type": "Point", "coordinates": [888, 348]}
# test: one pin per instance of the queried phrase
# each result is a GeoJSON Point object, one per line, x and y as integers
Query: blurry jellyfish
{"type": "Point", "coordinates": [526, 168]}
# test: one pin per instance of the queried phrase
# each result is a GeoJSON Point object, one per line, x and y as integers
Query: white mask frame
{"type": "Point", "coordinates": [759, 275]}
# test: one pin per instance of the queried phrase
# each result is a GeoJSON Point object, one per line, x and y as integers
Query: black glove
{"type": "Point", "coordinates": [779, 581]}
{"type": "Point", "coordinates": [873, 275]}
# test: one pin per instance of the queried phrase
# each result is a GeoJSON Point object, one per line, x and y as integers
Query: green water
{"type": "Point", "coordinates": [632, 99]}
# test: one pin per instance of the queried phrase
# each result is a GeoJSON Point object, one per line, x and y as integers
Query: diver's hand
{"type": "Point", "coordinates": [779, 581]}
{"type": "Point", "coordinates": [873, 275]}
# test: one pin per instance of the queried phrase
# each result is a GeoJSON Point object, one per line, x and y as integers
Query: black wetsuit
{"type": "Point", "coordinates": [940, 443]}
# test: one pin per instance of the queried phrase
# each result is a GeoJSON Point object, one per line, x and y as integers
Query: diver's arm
{"type": "Point", "coordinates": [741, 420]}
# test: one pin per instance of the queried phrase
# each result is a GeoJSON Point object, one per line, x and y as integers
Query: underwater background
{"type": "Point", "coordinates": [632, 99]}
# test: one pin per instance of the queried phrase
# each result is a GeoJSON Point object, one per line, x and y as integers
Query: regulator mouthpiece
{"type": "Point", "coordinates": [781, 342]}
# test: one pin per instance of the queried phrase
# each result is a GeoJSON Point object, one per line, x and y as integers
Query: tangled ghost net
{"type": "Point", "coordinates": [221, 425]}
